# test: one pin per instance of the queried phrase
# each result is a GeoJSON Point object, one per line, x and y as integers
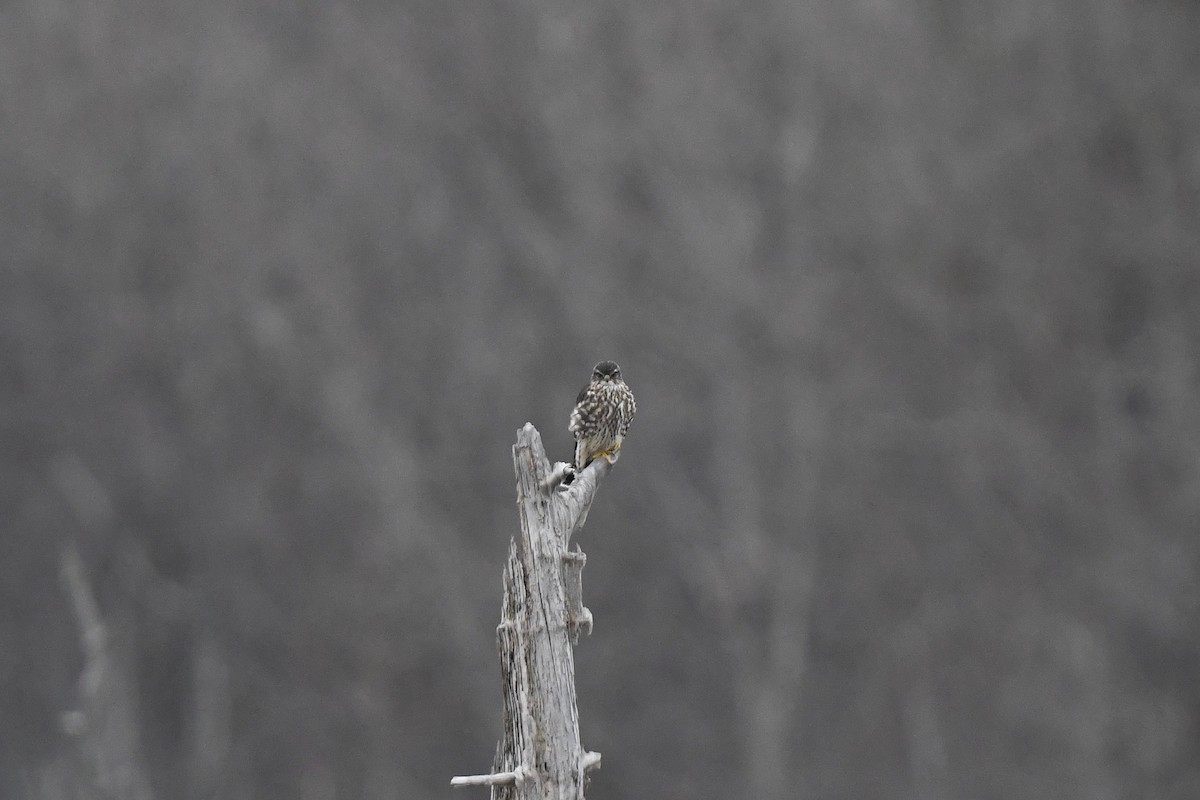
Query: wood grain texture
{"type": "Point", "coordinates": [540, 755]}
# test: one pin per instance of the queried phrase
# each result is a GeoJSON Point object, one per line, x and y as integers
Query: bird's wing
{"type": "Point", "coordinates": [576, 420]}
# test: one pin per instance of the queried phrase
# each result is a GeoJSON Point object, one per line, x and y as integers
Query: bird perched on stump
{"type": "Point", "coordinates": [601, 416]}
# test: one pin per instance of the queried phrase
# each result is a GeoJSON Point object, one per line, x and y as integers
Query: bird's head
{"type": "Point", "coordinates": [606, 371]}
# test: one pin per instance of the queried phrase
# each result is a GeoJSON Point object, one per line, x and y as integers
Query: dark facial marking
{"type": "Point", "coordinates": [607, 369]}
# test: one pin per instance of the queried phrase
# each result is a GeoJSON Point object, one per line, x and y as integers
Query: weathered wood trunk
{"type": "Point", "coordinates": [540, 755]}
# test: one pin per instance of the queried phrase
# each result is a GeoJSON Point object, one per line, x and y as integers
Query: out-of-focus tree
{"type": "Point", "coordinates": [907, 294]}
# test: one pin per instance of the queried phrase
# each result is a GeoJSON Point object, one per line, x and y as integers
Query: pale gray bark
{"type": "Point", "coordinates": [540, 755]}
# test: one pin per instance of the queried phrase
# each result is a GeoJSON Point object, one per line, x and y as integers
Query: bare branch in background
{"type": "Point", "coordinates": [106, 723]}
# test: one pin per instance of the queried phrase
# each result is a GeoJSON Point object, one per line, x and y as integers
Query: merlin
{"type": "Point", "coordinates": [601, 416]}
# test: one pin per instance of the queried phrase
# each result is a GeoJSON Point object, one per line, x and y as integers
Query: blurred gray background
{"type": "Point", "coordinates": [908, 293]}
